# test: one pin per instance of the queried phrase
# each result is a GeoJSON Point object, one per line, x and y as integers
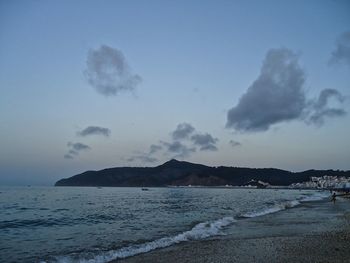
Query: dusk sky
{"type": "Point", "coordinates": [87, 85]}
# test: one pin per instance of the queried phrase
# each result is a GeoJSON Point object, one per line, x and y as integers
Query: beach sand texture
{"type": "Point", "coordinates": [312, 232]}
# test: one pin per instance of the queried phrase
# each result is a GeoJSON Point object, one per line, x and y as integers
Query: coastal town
{"type": "Point", "coordinates": [324, 182]}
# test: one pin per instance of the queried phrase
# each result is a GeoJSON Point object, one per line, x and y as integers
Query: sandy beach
{"type": "Point", "coordinates": [312, 232]}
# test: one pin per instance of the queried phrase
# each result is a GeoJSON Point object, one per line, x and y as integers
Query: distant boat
{"type": "Point", "coordinates": [99, 187]}
{"type": "Point", "coordinates": [144, 189]}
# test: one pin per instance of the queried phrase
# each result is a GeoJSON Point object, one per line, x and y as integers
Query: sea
{"type": "Point", "coordinates": [90, 224]}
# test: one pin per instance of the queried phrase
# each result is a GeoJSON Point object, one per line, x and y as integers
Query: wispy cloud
{"type": "Point", "coordinates": [73, 152]}
{"type": "Point", "coordinates": [182, 131]}
{"type": "Point", "coordinates": [94, 130]}
{"type": "Point", "coordinates": [234, 143]}
{"type": "Point", "coordinates": [154, 148]}
{"type": "Point", "coordinates": [78, 146]}
{"type": "Point", "coordinates": [321, 108]}
{"type": "Point", "coordinates": [179, 149]}
{"type": "Point", "coordinates": [184, 141]}
{"type": "Point", "coordinates": [341, 54]}
{"type": "Point", "coordinates": [108, 71]}
{"type": "Point", "coordinates": [74, 149]}
{"type": "Point", "coordinates": [206, 142]}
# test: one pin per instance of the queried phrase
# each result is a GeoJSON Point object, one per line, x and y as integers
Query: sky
{"type": "Point", "coordinates": [87, 85]}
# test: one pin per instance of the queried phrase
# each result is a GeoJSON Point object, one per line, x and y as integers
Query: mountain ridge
{"type": "Point", "coordinates": [181, 173]}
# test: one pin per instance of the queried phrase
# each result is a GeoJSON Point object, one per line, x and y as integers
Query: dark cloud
{"type": "Point", "coordinates": [182, 145]}
{"type": "Point", "coordinates": [108, 72]}
{"type": "Point", "coordinates": [183, 131]}
{"type": "Point", "coordinates": [154, 148]}
{"type": "Point", "coordinates": [95, 130]}
{"type": "Point", "coordinates": [74, 149]}
{"type": "Point", "coordinates": [234, 143]}
{"type": "Point", "coordinates": [342, 50]}
{"type": "Point", "coordinates": [206, 142]}
{"type": "Point", "coordinates": [78, 146]}
{"type": "Point", "coordinates": [176, 147]}
{"type": "Point", "coordinates": [321, 109]}
{"type": "Point", "coordinates": [73, 152]}
{"type": "Point", "coordinates": [325, 95]}
{"type": "Point", "coordinates": [276, 95]}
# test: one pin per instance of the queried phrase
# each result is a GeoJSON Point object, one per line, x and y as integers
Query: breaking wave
{"type": "Point", "coordinates": [315, 197]}
{"type": "Point", "coordinates": [284, 205]}
{"type": "Point", "coordinates": [271, 209]}
{"type": "Point", "coordinates": [198, 232]}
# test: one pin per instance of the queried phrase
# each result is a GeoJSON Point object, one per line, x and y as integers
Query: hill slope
{"type": "Point", "coordinates": [176, 172]}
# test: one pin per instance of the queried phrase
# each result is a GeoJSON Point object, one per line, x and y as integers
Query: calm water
{"type": "Point", "coordinates": [62, 224]}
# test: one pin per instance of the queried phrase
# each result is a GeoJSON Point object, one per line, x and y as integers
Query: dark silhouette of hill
{"type": "Point", "coordinates": [183, 173]}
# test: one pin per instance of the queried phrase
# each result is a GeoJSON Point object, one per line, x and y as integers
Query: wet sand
{"type": "Point", "coordinates": [312, 232]}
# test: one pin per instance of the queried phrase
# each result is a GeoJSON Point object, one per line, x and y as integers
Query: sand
{"type": "Point", "coordinates": [313, 248]}
{"type": "Point", "coordinates": [313, 232]}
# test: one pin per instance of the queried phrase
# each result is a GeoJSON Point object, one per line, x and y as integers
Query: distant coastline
{"type": "Point", "coordinates": [176, 173]}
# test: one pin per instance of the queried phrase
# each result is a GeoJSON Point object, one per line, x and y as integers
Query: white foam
{"type": "Point", "coordinates": [285, 205]}
{"type": "Point", "coordinates": [271, 209]}
{"type": "Point", "coordinates": [315, 197]}
{"type": "Point", "coordinates": [198, 232]}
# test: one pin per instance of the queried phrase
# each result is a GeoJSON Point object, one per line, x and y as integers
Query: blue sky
{"type": "Point", "coordinates": [192, 62]}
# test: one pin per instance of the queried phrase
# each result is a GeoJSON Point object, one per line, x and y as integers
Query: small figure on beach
{"type": "Point", "coordinates": [334, 198]}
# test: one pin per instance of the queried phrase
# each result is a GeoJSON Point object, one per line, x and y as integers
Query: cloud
{"type": "Point", "coordinates": [95, 130]}
{"type": "Point", "coordinates": [73, 152]}
{"type": "Point", "coordinates": [206, 142]}
{"type": "Point", "coordinates": [108, 72]}
{"type": "Point", "coordinates": [182, 144]}
{"type": "Point", "coordinates": [277, 95]}
{"type": "Point", "coordinates": [75, 149]}
{"type": "Point", "coordinates": [185, 132]}
{"type": "Point", "coordinates": [154, 148]}
{"type": "Point", "coordinates": [234, 143]}
{"type": "Point", "coordinates": [182, 131]}
{"type": "Point", "coordinates": [341, 54]}
{"type": "Point", "coordinates": [78, 146]}
{"type": "Point", "coordinates": [321, 110]}
{"type": "Point", "coordinates": [176, 147]}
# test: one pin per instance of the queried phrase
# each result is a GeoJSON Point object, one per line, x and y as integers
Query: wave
{"type": "Point", "coordinates": [272, 209]}
{"type": "Point", "coordinates": [315, 197]}
{"type": "Point", "coordinates": [285, 205]}
{"type": "Point", "coordinates": [58, 221]}
{"type": "Point", "coordinates": [7, 224]}
{"type": "Point", "coordinates": [198, 232]}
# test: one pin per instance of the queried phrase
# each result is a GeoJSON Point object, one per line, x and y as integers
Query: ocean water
{"type": "Point", "coordinates": [88, 224]}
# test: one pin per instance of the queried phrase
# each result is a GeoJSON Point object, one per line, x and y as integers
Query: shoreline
{"type": "Point", "coordinates": [311, 232]}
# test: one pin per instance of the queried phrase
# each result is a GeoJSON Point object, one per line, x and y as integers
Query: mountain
{"type": "Point", "coordinates": [176, 172]}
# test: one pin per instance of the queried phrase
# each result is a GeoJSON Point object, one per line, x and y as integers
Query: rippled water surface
{"type": "Point", "coordinates": [63, 224]}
